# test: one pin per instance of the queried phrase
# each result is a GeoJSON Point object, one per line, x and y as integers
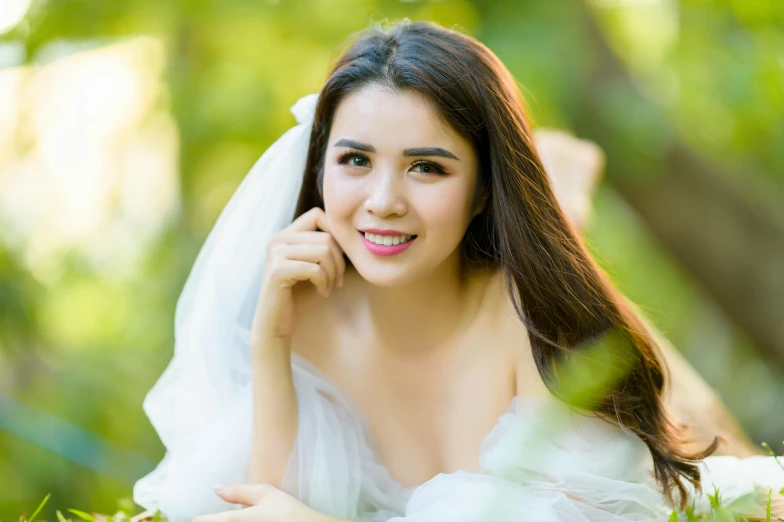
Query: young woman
{"type": "Point", "coordinates": [420, 342]}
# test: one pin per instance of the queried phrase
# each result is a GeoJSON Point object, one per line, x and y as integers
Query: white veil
{"type": "Point", "coordinates": [201, 405]}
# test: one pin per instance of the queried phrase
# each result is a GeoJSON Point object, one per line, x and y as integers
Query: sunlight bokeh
{"type": "Point", "coordinates": [91, 159]}
{"type": "Point", "coordinates": [11, 13]}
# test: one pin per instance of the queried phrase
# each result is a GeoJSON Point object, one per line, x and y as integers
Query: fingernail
{"type": "Point", "coordinates": [218, 488]}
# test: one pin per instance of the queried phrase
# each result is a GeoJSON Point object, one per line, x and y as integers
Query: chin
{"type": "Point", "coordinates": [387, 276]}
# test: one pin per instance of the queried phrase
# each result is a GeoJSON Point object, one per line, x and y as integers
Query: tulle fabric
{"type": "Point", "coordinates": [541, 462]}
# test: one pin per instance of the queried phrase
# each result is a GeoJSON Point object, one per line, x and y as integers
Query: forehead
{"type": "Point", "coordinates": [393, 120]}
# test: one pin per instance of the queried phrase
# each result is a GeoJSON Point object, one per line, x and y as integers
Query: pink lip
{"type": "Point", "coordinates": [382, 250]}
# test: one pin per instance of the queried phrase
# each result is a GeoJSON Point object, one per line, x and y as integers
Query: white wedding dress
{"type": "Point", "coordinates": [541, 462]}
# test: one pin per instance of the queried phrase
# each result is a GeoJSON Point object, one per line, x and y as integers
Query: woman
{"type": "Point", "coordinates": [420, 342]}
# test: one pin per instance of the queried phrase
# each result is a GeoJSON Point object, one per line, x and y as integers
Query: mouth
{"type": "Point", "coordinates": [386, 245]}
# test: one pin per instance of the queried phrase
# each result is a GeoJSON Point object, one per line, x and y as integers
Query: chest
{"type": "Point", "coordinates": [428, 412]}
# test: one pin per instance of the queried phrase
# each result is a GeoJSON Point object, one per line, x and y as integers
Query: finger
{"type": "Point", "coordinates": [313, 219]}
{"type": "Point", "coordinates": [340, 262]}
{"type": "Point", "coordinates": [336, 252]}
{"type": "Point", "coordinates": [320, 238]}
{"type": "Point", "coordinates": [293, 271]}
{"type": "Point", "coordinates": [321, 254]}
{"type": "Point", "coordinates": [247, 494]}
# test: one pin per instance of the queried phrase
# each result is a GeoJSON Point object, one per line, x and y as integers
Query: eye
{"type": "Point", "coordinates": [347, 159]}
{"type": "Point", "coordinates": [430, 168]}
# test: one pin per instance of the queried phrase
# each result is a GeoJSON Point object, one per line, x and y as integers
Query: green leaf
{"type": "Point", "coordinates": [156, 518]}
{"type": "Point", "coordinates": [60, 517]}
{"type": "Point", "coordinates": [125, 505]}
{"type": "Point", "coordinates": [83, 515]}
{"type": "Point", "coordinates": [39, 508]}
{"type": "Point", "coordinates": [723, 515]}
{"type": "Point", "coordinates": [673, 517]}
{"type": "Point", "coordinates": [715, 501]}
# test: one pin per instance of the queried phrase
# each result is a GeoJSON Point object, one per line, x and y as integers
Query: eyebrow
{"type": "Point", "coordinates": [417, 151]}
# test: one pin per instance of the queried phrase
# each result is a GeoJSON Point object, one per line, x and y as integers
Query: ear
{"type": "Point", "coordinates": [481, 204]}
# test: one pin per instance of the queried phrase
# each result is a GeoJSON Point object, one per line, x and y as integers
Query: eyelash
{"type": "Point", "coordinates": [344, 157]}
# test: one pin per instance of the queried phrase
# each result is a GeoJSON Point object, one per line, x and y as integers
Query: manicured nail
{"type": "Point", "coordinates": [218, 488]}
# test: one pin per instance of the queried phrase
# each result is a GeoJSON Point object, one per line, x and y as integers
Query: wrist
{"type": "Point", "coordinates": [262, 345]}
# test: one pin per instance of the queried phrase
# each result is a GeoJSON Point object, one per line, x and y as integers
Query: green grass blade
{"type": "Point", "coordinates": [60, 517]}
{"type": "Point", "coordinates": [39, 508]}
{"type": "Point", "coordinates": [772, 454]}
{"type": "Point", "coordinates": [767, 509]}
{"type": "Point", "coordinates": [83, 515]}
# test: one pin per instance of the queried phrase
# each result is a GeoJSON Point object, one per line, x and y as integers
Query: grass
{"type": "Point", "coordinates": [125, 513]}
{"type": "Point", "coordinates": [718, 511]}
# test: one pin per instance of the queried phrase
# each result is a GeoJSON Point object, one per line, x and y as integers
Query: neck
{"type": "Point", "coordinates": [421, 317]}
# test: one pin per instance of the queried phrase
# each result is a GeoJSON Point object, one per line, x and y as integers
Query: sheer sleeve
{"type": "Point", "coordinates": [333, 467]}
{"type": "Point", "coordinates": [324, 469]}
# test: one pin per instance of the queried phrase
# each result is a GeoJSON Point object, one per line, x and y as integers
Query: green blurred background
{"type": "Point", "coordinates": [126, 126]}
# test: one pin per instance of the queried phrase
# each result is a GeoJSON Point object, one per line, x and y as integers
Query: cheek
{"type": "Point", "coordinates": [446, 213]}
{"type": "Point", "coordinates": [330, 190]}
{"type": "Point", "coordinates": [339, 204]}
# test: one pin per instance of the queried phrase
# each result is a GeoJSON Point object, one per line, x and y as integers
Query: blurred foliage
{"type": "Point", "coordinates": [81, 344]}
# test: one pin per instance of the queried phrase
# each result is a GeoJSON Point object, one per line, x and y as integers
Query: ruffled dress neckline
{"type": "Point", "coordinates": [521, 406]}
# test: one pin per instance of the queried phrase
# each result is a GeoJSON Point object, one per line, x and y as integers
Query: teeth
{"type": "Point", "coordinates": [387, 240]}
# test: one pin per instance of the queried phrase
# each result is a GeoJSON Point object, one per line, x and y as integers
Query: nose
{"type": "Point", "coordinates": [387, 194]}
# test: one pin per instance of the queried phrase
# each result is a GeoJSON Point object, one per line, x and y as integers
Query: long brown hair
{"type": "Point", "coordinates": [560, 294]}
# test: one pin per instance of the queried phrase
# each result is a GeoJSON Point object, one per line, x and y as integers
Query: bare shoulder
{"type": "Point", "coordinates": [509, 332]}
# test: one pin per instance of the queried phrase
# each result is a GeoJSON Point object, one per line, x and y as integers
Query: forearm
{"type": "Point", "coordinates": [275, 411]}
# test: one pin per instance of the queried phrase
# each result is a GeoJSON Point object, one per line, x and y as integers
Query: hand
{"type": "Point", "coordinates": [299, 252]}
{"type": "Point", "coordinates": [266, 504]}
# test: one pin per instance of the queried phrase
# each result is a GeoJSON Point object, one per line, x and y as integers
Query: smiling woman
{"type": "Point", "coordinates": [484, 368]}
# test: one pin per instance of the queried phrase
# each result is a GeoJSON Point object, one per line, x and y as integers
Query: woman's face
{"type": "Point", "coordinates": [391, 166]}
